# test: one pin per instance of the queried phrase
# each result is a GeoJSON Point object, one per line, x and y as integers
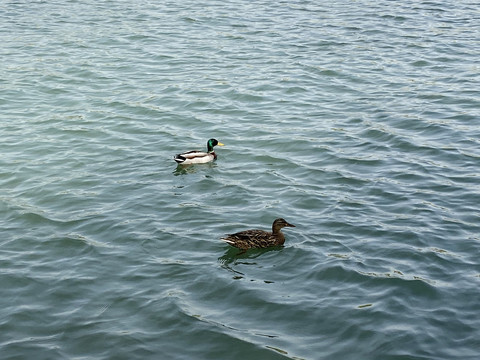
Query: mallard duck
{"type": "Point", "coordinates": [250, 239]}
{"type": "Point", "coordinates": [198, 157]}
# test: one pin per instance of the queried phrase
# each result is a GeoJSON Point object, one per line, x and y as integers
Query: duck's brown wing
{"type": "Point", "coordinates": [250, 239]}
{"type": "Point", "coordinates": [193, 154]}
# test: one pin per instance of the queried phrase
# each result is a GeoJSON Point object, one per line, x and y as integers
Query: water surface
{"type": "Point", "coordinates": [355, 121]}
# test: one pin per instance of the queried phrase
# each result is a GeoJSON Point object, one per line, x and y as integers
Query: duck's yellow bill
{"type": "Point", "coordinates": [220, 144]}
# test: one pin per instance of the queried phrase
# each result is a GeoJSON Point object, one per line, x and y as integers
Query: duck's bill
{"type": "Point", "coordinates": [220, 144]}
{"type": "Point", "coordinates": [290, 225]}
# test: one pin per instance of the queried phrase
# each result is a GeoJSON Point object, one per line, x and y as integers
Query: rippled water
{"type": "Point", "coordinates": [357, 121]}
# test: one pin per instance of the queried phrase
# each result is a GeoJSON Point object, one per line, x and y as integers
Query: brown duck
{"type": "Point", "coordinates": [257, 239]}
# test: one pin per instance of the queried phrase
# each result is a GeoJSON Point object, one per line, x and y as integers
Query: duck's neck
{"type": "Point", "coordinates": [280, 238]}
{"type": "Point", "coordinates": [276, 230]}
{"type": "Point", "coordinates": [209, 147]}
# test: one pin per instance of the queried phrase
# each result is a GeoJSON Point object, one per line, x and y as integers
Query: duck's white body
{"type": "Point", "coordinates": [198, 157]}
{"type": "Point", "coordinates": [194, 157]}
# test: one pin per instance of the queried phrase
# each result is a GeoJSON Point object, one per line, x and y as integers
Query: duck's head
{"type": "Point", "coordinates": [280, 223]}
{"type": "Point", "coordinates": [211, 143]}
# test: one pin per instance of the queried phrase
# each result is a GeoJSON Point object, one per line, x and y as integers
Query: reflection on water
{"type": "Point", "coordinates": [193, 168]}
{"type": "Point", "coordinates": [234, 255]}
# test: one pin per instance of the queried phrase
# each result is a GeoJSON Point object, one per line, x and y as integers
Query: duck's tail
{"type": "Point", "coordinates": [228, 241]}
{"type": "Point", "coordinates": [179, 158]}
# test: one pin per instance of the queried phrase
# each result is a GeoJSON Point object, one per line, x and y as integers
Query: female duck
{"type": "Point", "coordinates": [198, 157]}
{"type": "Point", "coordinates": [256, 239]}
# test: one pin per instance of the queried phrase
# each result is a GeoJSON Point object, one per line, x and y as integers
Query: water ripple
{"type": "Point", "coordinates": [356, 123]}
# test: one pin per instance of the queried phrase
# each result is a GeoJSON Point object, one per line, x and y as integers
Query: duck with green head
{"type": "Point", "coordinates": [198, 157]}
{"type": "Point", "coordinates": [258, 239]}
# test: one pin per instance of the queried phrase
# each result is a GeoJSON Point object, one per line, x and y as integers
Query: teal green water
{"type": "Point", "coordinates": [357, 121]}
